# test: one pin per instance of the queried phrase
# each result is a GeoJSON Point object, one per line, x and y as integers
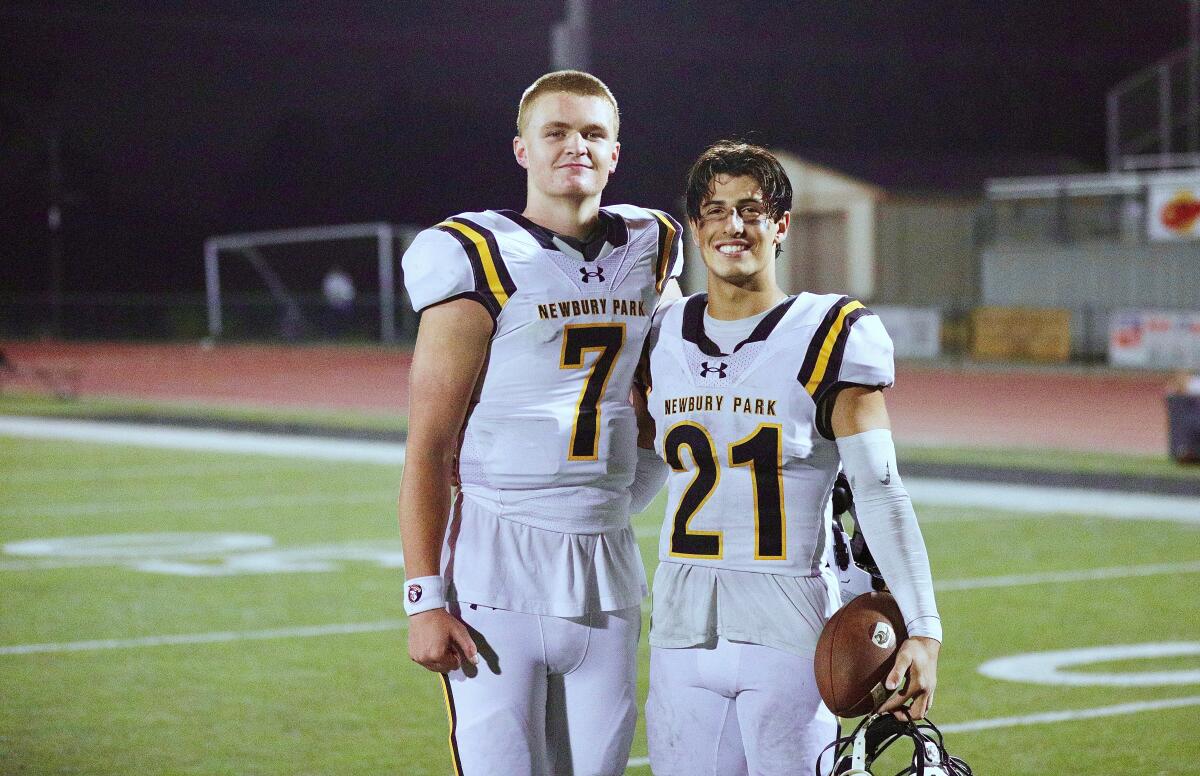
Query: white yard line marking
{"type": "Point", "coordinates": [1039, 500]}
{"type": "Point", "coordinates": [216, 637]}
{"type": "Point", "coordinates": [142, 435]}
{"type": "Point", "coordinates": [1071, 714]}
{"type": "Point", "coordinates": [1069, 575]}
{"type": "Point", "coordinates": [30, 473]}
{"type": "Point", "coordinates": [184, 504]}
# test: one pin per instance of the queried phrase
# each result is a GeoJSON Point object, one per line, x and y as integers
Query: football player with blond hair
{"type": "Point", "coordinates": [524, 587]}
{"type": "Point", "coordinates": [759, 399]}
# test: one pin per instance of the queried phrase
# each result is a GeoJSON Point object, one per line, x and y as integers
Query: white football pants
{"type": "Point", "coordinates": [734, 709]}
{"type": "Point", "coordinates": [551, 696]}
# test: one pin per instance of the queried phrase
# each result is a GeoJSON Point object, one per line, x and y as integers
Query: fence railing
{"type": "Point", "coordinates": [185, 317]}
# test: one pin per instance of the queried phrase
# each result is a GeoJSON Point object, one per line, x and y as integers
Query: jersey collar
{"type": "Point", "coordinates": [693, 325]}
{"type": "Point", "coordinates": [612, 234]}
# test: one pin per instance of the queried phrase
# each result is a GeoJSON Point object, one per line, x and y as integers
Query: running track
{"type": "Point", "coordinates": [969, 405]}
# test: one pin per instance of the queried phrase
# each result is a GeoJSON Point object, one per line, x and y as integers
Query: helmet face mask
{"type": "Point", "coordinates": [855, 753]}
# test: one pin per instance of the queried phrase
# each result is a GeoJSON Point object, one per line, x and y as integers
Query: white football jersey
{"type": "Point", "coordinates": [551, 438]}
{"type": "Point", "coordinates": [752, 460]}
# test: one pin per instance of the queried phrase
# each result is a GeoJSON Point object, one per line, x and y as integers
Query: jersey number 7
{"type": "Point", "coordinates": [579, 339]}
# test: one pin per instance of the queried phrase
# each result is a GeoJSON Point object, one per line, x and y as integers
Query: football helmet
{"type": "Point", "coordinates": [855, 568]}
{"type": "Point", "coordinates": [855, 753]}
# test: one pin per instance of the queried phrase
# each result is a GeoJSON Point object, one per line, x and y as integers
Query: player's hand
{"type": "Point", "coordinates": [439, 641]}
{"type": "Point", "coordinates": [916, 659]}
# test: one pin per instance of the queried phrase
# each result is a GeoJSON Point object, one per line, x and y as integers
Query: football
{"type": "Point", "coordinates": [855, 652]}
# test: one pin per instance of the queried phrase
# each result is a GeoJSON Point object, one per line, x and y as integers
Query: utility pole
{"type": "Point", "coordinates": [569, 43]}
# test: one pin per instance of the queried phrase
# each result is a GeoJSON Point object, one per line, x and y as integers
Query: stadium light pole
{"type": "Point", "coordinates": [54, 224]}
{"type": "Point", "coordinates": [1194, 77]}
{"type": "Point", "coordinates": [569, 38]}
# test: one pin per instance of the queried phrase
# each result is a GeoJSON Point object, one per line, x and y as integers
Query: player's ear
{"type": "Point", "coordinates": [521, 152]}
{"type": "Point", "coordinates": [694, 231]}
{"type": "Point", "coordinates": [615, 155]}
{"type": "Point", "coordinates": [784, 221]}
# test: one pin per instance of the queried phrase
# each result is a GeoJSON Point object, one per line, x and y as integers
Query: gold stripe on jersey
{"type": "Point", "coordinates": [666, 245]}
{"type": "Point", "coordinates": [827, 345]}
{"type": "Point", "coordinates": [488, 262]}
{"type": "Point", "coordinates": [450, 712]}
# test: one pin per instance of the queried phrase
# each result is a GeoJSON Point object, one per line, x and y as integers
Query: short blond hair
{"type": "Point", "coordinates": [571, 82]}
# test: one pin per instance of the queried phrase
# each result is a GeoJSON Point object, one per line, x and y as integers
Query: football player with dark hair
{"type": "Point", "coordinates": [759, 399]}
{"type": "Point", "coordinates": [524, 590]}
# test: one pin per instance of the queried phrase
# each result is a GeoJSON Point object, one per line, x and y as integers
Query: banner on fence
{"type": "Point", "coordinates": [1154, 339]}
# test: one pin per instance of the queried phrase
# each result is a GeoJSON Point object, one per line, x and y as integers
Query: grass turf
{"type": "Point", "coordinates": [351, 703]}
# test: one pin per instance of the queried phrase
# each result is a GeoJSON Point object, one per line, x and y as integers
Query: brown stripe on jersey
{"type": "Point", "coordinates": [693, 326]}
{"type": "Point", "coordinates": [501, 269]}
{"type": "Point", "coordinates": [834, 368]}
{"type": "Point", "coordinates": [450, 711]}
{"type": "Point", "coordinates": [492, 279]}
{"type": "Point", "coordinates": [818, 340]}
{"type": "Point", "coordinates": [670, 234]}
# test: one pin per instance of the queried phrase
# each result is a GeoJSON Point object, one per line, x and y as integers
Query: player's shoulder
{"type": "Point", "coordinates": [488, 234]}
{"type": "Point", "coordinates": [484, 223]}
{"type": "Point", "coordinates": [638, 217]}
{"type": "Point", "coordinates": [811, 309]}
{"type": "Point", "coordinates": [673, 310]}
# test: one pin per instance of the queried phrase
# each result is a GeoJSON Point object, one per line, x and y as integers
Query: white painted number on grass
{"type": "Point", "coordinates": [195, 554]}
{"type": "Point", "coordinates": [1050, 667]}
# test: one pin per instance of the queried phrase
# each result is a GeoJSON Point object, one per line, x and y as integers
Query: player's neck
{"type": "Point", "coordinates": [729, 302]}
{"type": "Point", "coordinates": [569, 217]}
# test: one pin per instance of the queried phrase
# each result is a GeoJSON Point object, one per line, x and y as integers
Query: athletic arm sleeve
{"type": "Point", "coordinates": [436, 269]}
{"type": "Point", "coordinates": [648, 479]}
{"type": "Point", "coordinates": [885, 516]}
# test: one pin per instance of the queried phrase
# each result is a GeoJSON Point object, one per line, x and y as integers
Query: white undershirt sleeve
{"type": "Point", "coordinates": [648, 479]}
{"type": "Point", "coordinates": [885, 515]}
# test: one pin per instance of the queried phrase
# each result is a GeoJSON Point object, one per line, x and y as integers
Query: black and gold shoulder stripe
{"type": "Point", "coordinates": [493, 282]}
{"type": "Point", "coordinates": [670, 234]}
{"type": "Point", "coordinates": [823, 361]}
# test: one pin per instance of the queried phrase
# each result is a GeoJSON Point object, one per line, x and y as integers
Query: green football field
{"type": "Point", "coordinates": [169, 611]}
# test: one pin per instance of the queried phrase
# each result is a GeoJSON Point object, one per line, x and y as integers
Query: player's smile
{"type": "Point", "coordinates": [735, 232]}
{"type": "Point", "coordinates": [732, 248]}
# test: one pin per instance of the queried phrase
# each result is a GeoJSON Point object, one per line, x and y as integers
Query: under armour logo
{"type": "Point", "coordinates": [719, 369]}
{"type": "Point", "coordinates": [587, 275]}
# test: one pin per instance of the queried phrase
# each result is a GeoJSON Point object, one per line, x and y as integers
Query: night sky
{"type": "Point", "coordinates": [182, 120]}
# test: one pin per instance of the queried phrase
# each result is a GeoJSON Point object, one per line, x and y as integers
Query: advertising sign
{"type": "Point", "coordinates": [1154, 339]}
{"type": "Point", "coordinates": [1173, 211]}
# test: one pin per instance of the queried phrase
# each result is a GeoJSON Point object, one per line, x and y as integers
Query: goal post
{"type": "Point", "coordinates": [389, 242]}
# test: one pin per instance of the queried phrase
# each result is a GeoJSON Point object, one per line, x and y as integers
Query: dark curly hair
{"type": "Point", "coordinates": [735, 158]}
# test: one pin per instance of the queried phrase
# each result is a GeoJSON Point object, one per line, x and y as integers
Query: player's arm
{"type": "Point", "coordinates": [452, 342]}
{"type": "Point", "coordinates": [861, 426]}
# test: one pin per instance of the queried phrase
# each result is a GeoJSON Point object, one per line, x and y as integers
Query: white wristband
{"type": "Point", "coordinates": [424, 593]}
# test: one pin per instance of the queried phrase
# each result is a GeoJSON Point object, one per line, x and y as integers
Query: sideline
{"type": "Point", "coordinates": [208, 440]}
